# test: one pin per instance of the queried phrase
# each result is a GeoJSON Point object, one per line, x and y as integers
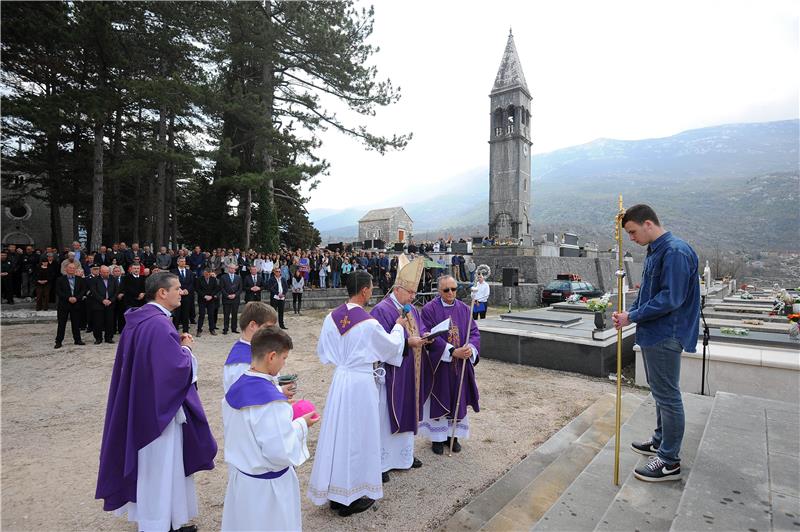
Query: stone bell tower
{"type": "Point", "coordinates": [509, 151]}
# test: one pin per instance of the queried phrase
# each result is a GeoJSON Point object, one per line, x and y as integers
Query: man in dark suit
{"type": "Point", "coordinates": [253, 285]}
{"type": "Point", "coordinates": [231, 285]}
{"type": "Point", "coordinates": [102, 257]}
{"type": "Point", "coordinates": [70, 289]}
{"type": "Point", "coordinates": [132, 289]}
{"type": "Point", "coordinates": [207, 289]}
{"type": "Point", "coordinates": [102, 301]}
{"type": "Point", "coordinates": [186, 277]}
{"type": "Point", "coordinates": [278, 288]}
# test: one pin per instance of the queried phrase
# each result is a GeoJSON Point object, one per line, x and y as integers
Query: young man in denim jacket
{"type": "Point", "coordinates": [666, 314]}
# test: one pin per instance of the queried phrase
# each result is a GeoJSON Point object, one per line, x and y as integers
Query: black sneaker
{"type": "Point", "coordinates": [437, 447]}
{"type": "Point", "coordinates": [656, 470]}
{"type": "Point", "coordinates": [647, 448]}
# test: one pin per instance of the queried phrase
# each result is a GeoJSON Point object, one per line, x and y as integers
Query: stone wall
{"type": "Point", "coordinates": [526, 295]}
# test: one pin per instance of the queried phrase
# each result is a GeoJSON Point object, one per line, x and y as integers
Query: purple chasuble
{"type": "Point", "coordinates": [345, 319]}
{"type": "Point", "coordinates": [447, 375]}
{"type": "Point", "coordinates": [401, 381]}
{"type": "Point", "coordinates": [151, 380]}
{"type": "Point", "coordinates": [249, 390]}
{"type": "Point", "coordinates": [240, 354]}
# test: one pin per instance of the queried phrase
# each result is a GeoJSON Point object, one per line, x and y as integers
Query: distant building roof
{"type": "Point", "coordinates": [383, 214]}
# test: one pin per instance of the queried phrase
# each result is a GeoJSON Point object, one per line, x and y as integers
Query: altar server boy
{"type": "Point", "coordinates": [254, 316]}
{"type": "Point", "coordinates": [263, 443]}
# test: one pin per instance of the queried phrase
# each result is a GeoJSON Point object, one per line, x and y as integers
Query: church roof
{"type": "Point", "coordinates": [510, 74]}
{"type": "Point", "coordinates": [383, 214]}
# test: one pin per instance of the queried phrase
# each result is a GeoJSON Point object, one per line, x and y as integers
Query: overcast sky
{"type": "Point", "coordinates": [614, 69]}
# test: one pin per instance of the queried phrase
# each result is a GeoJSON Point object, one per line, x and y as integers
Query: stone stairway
{"type": "Point", "coordinates": [740, 471]}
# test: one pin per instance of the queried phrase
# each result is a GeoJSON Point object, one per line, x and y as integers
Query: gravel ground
{"type": "Point", "coordinates": [53, 405]}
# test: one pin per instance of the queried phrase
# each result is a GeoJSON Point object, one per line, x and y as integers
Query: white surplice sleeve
{"type": "Point", "coordinates": [282, 442]}
{"type": "Point", "coordinates": [388, 347]}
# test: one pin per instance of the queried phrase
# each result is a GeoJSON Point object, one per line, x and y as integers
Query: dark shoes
{"type": "Point", "coordinates": [284, 327]}
{"type": "Point", "coordinates": [385, 477]}
{"type": "Point", "coordinates": [437, 447]}
{"type": "Point", "coordinates": [98, 342]}
{"type": "Point", "coordinates": [356, 506]}
{"type": "Point", "coordinates": [187, 528]}
{"type": "Point", "coordinates": [657, 470]}
{"type": "Point", "coordinates": [199, 333]}
{"type": "Point", "coordinates": [79, 342]}
{"type": "Point", "coordinates": [224, 331]}
{"type": "Point", "coordinates": [647, 448]}
{"type": "Point", "coordinates": [213, 333]}
{"type": "Point", "coordinates": [110, 341]}
{"type": "Point", "coordinates": [57, 346]}
{"type": "Point", "coordinates": [417, 463]}
{"type": "Point", "coordinates": [337, 506]}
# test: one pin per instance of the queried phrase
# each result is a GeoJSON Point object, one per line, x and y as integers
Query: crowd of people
{"type": "Point", "coordinates": [92, 289]}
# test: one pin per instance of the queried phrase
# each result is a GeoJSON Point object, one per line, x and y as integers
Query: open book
{"type": "Point", "coordinates": [442, 329]}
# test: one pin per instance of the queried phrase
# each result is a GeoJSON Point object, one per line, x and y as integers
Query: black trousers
{"type": "Point", "coordinates": [210, 308]}
{"type": "Point", "coordinates": [297, 301]}
{"type": "Point", "coordinates": [103, 323]}
{"type": "Point", "coordinates": [72, 313]}
{"type": "Point", "coordinates": [192, 310]}
{"type": "Point", "coordinates": [7, 288]}
{"type": "Point", "coordinates": [119, 315]}
{"type": "Point", "coordinates": [230, 315]}
{"type": "Point", "coordinates": [278, 304]}
{"type": "Point", "coordinates": [180, 316]}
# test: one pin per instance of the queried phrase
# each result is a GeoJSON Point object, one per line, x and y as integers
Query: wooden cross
{"type": "Point", "coordinates": [344, 322]}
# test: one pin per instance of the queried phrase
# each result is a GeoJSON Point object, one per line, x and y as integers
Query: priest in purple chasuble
{"type": "Point", "coordinates": [406, 386]}
{"type": "Point", "coordinates": [156, 435]}
{"type": "Point", "coordinates": [447, 355]}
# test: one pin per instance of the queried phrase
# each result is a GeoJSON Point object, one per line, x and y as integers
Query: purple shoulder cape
{"type": "Point", "coordinates": [240, 354]}
{"type": "Point", "coordinates": [447, 376]}
{"type": "Point", "coordinates": [401, 381]}
{"type": "Point", "coordinates": [151, 380]}
{"type": "Point", "coordinates": [252, 391]}
{"type": "Point", "coordinates": [346, 318]}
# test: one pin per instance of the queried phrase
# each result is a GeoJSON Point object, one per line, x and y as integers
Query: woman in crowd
{"type": "Point", "coordinates": [45, 277]}
{"type": "Point", "coordinates": [304, 266]}
{"type": "Point", "coordinates": [298, 282]}
{"type": "Point", "coordinates": [324, 268]}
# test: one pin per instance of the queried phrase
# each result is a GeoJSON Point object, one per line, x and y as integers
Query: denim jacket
{"type": "Point", "coordinates": [668, 304]}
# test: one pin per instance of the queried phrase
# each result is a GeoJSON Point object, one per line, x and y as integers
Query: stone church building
{"type": "Point", "coordinates": [391, 225]}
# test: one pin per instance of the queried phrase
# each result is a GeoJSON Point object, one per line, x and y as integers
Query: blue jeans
{"type": "Point", "coordinates": [662, 365]}
{"type": "Point", "coordinates": [335, 278]}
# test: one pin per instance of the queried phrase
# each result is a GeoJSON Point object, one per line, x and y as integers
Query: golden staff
{"type": "Point", "coordinates": [463, 370]}
{"type": "Point", "coordinates": [618, 231]}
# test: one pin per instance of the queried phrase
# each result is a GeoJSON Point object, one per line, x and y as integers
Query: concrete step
{"type": "Point", "coordinates": [485, 506]}
{"type": "Point", "coordinates": [588, 497]}
{"type": "Point", "coordinates": [534, 500]}
{"type": "Point", "coordinates": [746, 473]}
{"type": "Point", "coordinates": [652, 506]}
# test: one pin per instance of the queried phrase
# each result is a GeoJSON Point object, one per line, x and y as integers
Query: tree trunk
{"type": "Point", "coordinates": [97, 188]}
{"type": "Point", "coordinates": [136, 208]}
{"type": "Point", "coordinates": [246, 205]}
{"type": "Point", "coordinates": [55, 225]}
{"type": "Point", "coordinates": [161, 180]}
{"type": "Point", "coordinates": [173, 182]}
{"type": "Point", "coordinates": [149, 222]}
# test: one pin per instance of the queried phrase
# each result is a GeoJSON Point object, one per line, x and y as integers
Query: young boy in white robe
{"type": "Point", "coordinates": [263, 443]}
{"type": "Point", "coordinates": [254, 316]}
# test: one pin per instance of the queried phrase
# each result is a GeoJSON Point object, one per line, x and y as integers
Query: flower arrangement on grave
{"type": "Point", "coordinates": [794, 326]}
{"type": "Point", "coordinates": [599, 304]}
{"type": "Point", "coordinates": [574, 298]}
{"type": "Point", "coordinates": [746, 295]}
{"type": "Point", "coordinates": [734, 331]}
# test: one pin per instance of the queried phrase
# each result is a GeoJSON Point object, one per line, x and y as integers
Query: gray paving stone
{"type": "Point", "coordinates": [728, 488]}
{"type": "Point", "coordinates": [784, 474]}
{"type": "Point", "coordinates": [783, 437]}
{"type": "Point", "coordinates": [785, 513]}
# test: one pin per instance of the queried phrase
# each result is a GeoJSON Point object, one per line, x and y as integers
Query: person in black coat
{"type": "Point", "coordinates": [207, 289]}
{"type": "Point", "coordinates": [70, 290]}
{"type": "Point", "coordinates": [186, 277]}
{"type": "Point", "coordinates": [253, 285]}
{"type": "Point", "coordinates": [132, 292]}
{"type": "Point", "coordinates": [102, 302]}
{"type": "Point", "coordinates": [7, 276]}
{"type": "Point", "coordinates": [103, 257]}
{"type": "Point", "coordinates": [278, 288]}
{"type": "Point", "coordinates": [230, 286]}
